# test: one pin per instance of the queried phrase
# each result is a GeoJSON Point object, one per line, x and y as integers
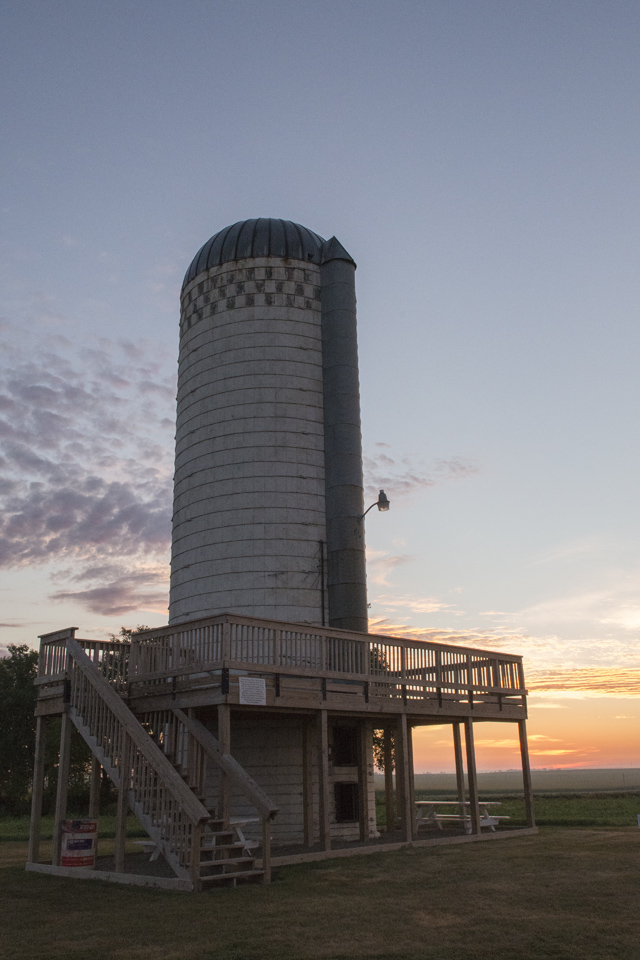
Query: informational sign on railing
{"type": "Point", "coordinates": [252, 691]}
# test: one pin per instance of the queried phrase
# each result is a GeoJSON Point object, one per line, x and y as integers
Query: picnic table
{"type": "Point", "coordinates": [437, 812]}
{"type": "Point", "coordinates": [236, 824]}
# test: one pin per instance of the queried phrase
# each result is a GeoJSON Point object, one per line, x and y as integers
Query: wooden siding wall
{"type": "Point", "coordinates": [270, 749]}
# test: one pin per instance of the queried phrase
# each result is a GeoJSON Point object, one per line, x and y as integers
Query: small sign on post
{"type": "Point", "coordinates": [79, 842]}
{"type": "Point", "coordinates": [252, 691]}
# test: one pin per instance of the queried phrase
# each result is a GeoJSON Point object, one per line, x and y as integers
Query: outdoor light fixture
{"type": "Point", "coordinates": [382, 503]}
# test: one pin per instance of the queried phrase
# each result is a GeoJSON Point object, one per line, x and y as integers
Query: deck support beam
{"type": "Point", "coordinates": [457, 750]}
{"type": "Point", "coordinates": [123, 804]}
{"type": "Point", "coordinates": [94, 789]}
{"type": "Point", "coordinates": [526, 774]}
{"type": "Point", "coordinates": [403, 777]}
{"type": "Point", "coordinates": [62, 789]}
{"type": "Point", "coordinates": [388, 780]}
{"type": "Point", "coordinates": [37, 790]}
{"type": "Point", "coordinates": [363, 779]}
{"type": "Point", "coordinates": [323, 780]}
{"type": "Point", "coordinates": [474, 810]}
{"type": "Point", "coordinates": [307, 783]}
{"type": "Point", "coordinates": [266, 849]}
{"type": "Point", "coordinates": [224, 739]}
{"type": "Point", "coordinates": [412, 780]}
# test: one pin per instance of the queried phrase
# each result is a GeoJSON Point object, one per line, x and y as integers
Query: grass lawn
{"type": "Point", "coordinates": [17, 828]}
{"type": "Point", "coordinates": [566, 894]}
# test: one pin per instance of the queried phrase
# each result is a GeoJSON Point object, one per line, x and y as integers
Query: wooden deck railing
{"type": "Point", "coordinates": [383, 666]}
{"type": "Point", "coordinates": [110, 656]}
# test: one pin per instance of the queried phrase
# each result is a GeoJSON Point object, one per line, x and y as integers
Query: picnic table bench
{"type": "Point", "coordinates": [437, 812]}
{"type": "Point", "coordinates": [236, 823]}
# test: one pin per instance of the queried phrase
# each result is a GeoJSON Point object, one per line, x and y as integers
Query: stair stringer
{"type": "Point", "coordinates": [144, 819]}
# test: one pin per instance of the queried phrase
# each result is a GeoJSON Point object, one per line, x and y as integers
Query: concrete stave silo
{"type": "Point", "coordinates": [268, 450]}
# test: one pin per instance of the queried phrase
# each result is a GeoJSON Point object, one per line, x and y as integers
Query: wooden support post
{"type": "Point", "coordinates": [472, 775]}
{"type": "Point", "coordinates": [266, 848]}
{"type": "Point", "coordinates": [94, 789]}
{"type": "Point", "coordinates": [124, 775]}
{"type": "Point", "coordinates": [196, 853]}
{"type": "Point", "coordinates": [224, 739]}
{"type": "Point", "coordinates": [526, 774]}
{"type": "Point", "coordinates": [36, 791]}
{"type": "Point", "coordinates": [323, 780]}
{"type": "Point", "coordinates": [388, 780]}
{"type": "Point", "coordinates": [457, 750]}
{"type": "Point", "coordinates": [363, 779]}
{"type": "Point", "coordinates": [403, 777]}
{"type": "Point", "coordinates": [307, 783]}
{"type": "Point", "coordinates": [63, 785]}
{"type": "Point", "coordinates": [412, 781]}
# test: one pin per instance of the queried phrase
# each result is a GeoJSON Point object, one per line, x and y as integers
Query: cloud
{"type": "Point", "coordinates": [380, 565]}
{"type": "Point", "coordinates": [115, 589]}
{"type": "Point", "coordinates": [541, 705]}
{"type": "Point", "coordinates": [402, 476]}
{"type": "Point", "coordinates": [471, 638]}
{"type": "Point", "coordinates": [595, 681]}
{"type": "Point", "coordinates": [86, 463]}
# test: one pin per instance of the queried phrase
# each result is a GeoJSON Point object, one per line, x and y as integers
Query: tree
{"type": "Point", "coordinates": [17, 726]}
{"type": "Point", "coordinates": [18, 670]}
{"type": "Point", "coordinates": [126, 633]}
{"type": "Point", "coordinates": [378, 750]}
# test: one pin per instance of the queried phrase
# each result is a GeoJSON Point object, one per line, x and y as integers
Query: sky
{"type": "Point", "coordinates": [479, 162]}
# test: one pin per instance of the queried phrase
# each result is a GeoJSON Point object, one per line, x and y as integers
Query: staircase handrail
{"type": "Point", "coordinates": [229, 765]}
{"type": "Point", "coordinates": [195, 811]}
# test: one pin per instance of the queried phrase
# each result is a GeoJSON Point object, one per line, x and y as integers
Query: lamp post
{"type": "Point", "coordinates": [382, 503]}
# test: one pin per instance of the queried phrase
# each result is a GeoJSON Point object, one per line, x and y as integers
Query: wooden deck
{"type": "Point", "coordinates": [143, 708]}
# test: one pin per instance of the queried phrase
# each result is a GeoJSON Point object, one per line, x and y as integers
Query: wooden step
{"type": "Point", "coordinates": [223, 846]}
{"type": "Point", "coordinates": [221, 877]}
{"type": "Point", "coordinates": [224, 863]}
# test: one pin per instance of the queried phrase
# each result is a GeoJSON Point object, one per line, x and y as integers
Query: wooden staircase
{"type": "Point", "coordinates": [158, 763]}
{"type": "Point", "coordinates": [224, 858]}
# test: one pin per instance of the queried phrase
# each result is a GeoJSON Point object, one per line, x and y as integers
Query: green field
{"type": "Point", "coordinates": [570, 893]}
{"type": "Point", "coordinates": [586, 780]}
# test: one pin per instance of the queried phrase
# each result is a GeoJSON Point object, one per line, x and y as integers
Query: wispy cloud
{"type": "Point", "coordinates": [112, 590]}
{"type": "Point", "coordinates": [599, 681]}
{"type": "Point", "coordinates": [476, 638]}
{"type": "Point", "coordinates": [403, 475]}
{"type": "Point", "coordinates": [86, 464]}
{"type": "Point", "coordinates": [380, 565]}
